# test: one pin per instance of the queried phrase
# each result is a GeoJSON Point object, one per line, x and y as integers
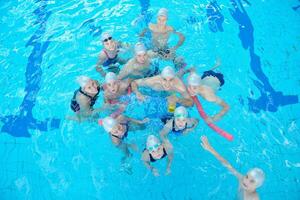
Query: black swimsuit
{"type": "Point", "coordinates": [177, 132]}
{"type": "Point", "coordinates": [75, 105]}
{"type": "Point", "coordinates": [154, 160]}
{"type": "Point", "coordinates": [219, 76]}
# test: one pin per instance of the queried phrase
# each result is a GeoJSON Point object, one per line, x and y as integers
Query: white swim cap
{"type": "Point", "coordinates": [168, 71]}
{"type": "Point", "coordinates": [139, 48]}
{"type": "Point", "coordinates": [105, 35]}
{"type": "Point", "coordinates": [108, 123]}
{"type": "Point", "coordinates": [194, 79]}
{"type": "Point", "coordinates": [82, 80]}
{"type": "Point", "coordinates": [110, 77]}
{"type": "Point", "coordinates": [258, 175]}
{"type": "Point", "coordinates": [151, 141]}
{"type": "Point", "coordinates": [163, 12]}
{"type": "Point", "coordinates": [180, 112]}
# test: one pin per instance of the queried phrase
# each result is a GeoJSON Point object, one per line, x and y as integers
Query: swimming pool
{"type": "Point", "coordinates": [46, 44]}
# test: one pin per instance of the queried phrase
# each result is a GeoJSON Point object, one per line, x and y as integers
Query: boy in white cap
{"type": "Point", "coordinates": [154, 151]}
{"type": "Point", "coordinates": [207, 87]}
{"type": "Point", "coordinates": [166, 81]}
{"type": "Point", "coordinates": [109, 59]}
{"type": "Point", "coordinates": [180, 124]}
{"type": "Point", "coordinates": [114, 88]}
{"type": "Point", "coordinates": [160, 35]}
{"type": "Point", "coordinates": [248, 183]}
{"type": "Point", "coordinates": [140, 65]}
{"type": "Point", "coordinates": [85, 97]}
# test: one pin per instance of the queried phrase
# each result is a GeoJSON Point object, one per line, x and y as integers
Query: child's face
{"type": "Point", "coordinates": [161, 20]}
{"type": "Point", "coordinates": [180, 122]}
{"type": "Point", "coordinates": [167, 82]}
{"type": "Point", "coordinates": [248, 183]}
{"type": "Point", "coordinates": [91, 87]}
{"type": "Point", "coordinates": [119, 129]}
{"type": "Point", "coordinates": [141, 58]}
{"type": "Point", "coordinates": [110, 45]}
{"type": "Point", "coordinates": [157, 151]}
{"type": "Point", "coordinates": [112, 87]}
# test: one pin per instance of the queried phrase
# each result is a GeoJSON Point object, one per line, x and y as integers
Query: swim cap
{"type": "Point", "coordinates": [105, 35]}
{"type": "Point", "coordinates": [108, 123]}
{"type": "Point", "coordinates": [110, 77]}
{"type": "Point", "coordinates": [168, 71]}
{"type": "Point", "coordinates": [151, 141]}
{"type": "Point", "coordinates": [194, 79]}
{"type": "Point", "coordinates": [163, 12]}
{"type": "Point", "coordinates": [180, 112]}
{"type": "Point", "coordinates": [258, 175]}
{"type": "Point", "coordinates": [82, 80]}
{"type": "Point", "coordinates": [139, 48]}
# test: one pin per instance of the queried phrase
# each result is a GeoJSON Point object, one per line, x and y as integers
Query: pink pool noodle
{"type": "Point", "coordinates": [212, 126]}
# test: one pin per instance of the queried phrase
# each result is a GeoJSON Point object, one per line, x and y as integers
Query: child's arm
{"type": "Point", "coordinates": [166, 130]}
{"type": "Point", "coordinates": [217, 64]}
{"type": "Point", "coordinates": [181, 40]}
{"type": "Point", "coordinates": [169, 149]}
{"type": "Point", "coordinates": [192, 125]}
{"type": "Point", "coordinates": [205, 144]}
{"type": "Point", "coordinates": [136, 121]}
{"type": "Point", "coordinates": [212, 97]}
{"type": "Point", "coordinates": [146, 161]}
{"type": "Point", "coordinates": [101, 60]}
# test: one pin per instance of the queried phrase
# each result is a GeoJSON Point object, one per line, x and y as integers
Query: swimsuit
{"type": "Point", "coordinates": [109, 60]}
{"type": "Point", "coordinates": [177, 132]}
{"type": "Point", "coordinates": [219, 76]}
{"type": "Point", "coordinates": [154, 160]}
{"type": "Point", "coordinates": [75, 105]}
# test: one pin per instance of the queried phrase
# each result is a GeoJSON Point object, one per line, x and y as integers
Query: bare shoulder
{"type": "Point", "coordinates": [255, 196]}
{"type": "Point", "coordinates": [102, 55]}
{"type": "Point", "coordinates": [170, 29]}
{"type": "Point", "coordinates": [168, 146]}
{"type": "Point", "coordinates": [152, 26]}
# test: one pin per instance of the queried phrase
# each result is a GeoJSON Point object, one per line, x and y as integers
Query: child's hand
{"type": "Point", "coordinates": [218, 62]}
{"type": "Point", "coordinates": [155, 172]}
{"type": "Point", "coordinates": [140, 97]}
{"type": "Point", "coordinates": [146, 120]}
{"type": "Point", "coordinates": [209, 120]}
{"type": "Point", "coordinates": [168, 171]}
{"type": "Point", "coordinates": [205, 144]}
{"type": "Point", "coordinates": [134, 147]}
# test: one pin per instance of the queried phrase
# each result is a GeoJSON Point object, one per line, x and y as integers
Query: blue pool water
{"type": "Point", "coordinates": [45, 45]}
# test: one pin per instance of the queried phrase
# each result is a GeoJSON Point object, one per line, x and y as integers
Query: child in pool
{"type": "Point", "coordinates": [166, 81]}
{"type": "Point", "coordinates": [154, 151]}
{"type": "Point", "coordinates": [247, 183]}
{"type": "Point", "coordinates": [109, 59]}
{"type": "Point", "coordinates": [161, 33]}
{"type": "Point", "coordinates": [84, 99]}
{"type": "Point", "coordinates": [180, 124]}
{"type": "Point", "coordinates": [207, 86]}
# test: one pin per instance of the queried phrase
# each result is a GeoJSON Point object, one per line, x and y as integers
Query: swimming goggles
{"type": "Point", "coordinates": [182, 116]}
{"type": "Point", "coordinates": [153, 148]}
{"type": "Point", "coordinates": [105, 40]}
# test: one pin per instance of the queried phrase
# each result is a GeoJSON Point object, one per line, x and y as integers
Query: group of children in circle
{"type": "Point", "coordinates": [138, 72]}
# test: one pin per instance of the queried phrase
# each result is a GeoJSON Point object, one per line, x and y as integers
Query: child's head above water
{"type": "Point", "coordinates": [162, 12]}
{"type": "Point", "coordinates": [253, 179]}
